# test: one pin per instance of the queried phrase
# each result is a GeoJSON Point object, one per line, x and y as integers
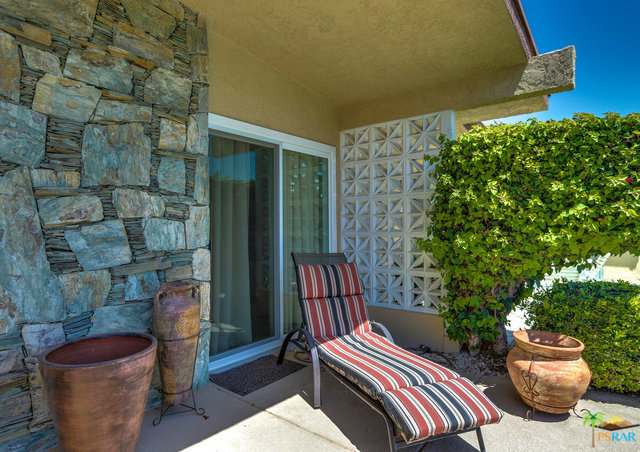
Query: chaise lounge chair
{"type": "Point", "coordinates": [420, 400]}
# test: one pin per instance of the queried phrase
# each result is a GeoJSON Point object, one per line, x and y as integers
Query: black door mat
{"type": "Point", "coordinates": [257, 374]}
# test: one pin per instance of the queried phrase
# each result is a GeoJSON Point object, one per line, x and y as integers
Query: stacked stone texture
{"type": "Point", "coordinates": [104, 190]}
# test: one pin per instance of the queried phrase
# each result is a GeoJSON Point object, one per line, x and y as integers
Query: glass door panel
{"type": "Point", "coordinates": [305, 221]}
{"type": "Point", "coordinates": [243, 254]}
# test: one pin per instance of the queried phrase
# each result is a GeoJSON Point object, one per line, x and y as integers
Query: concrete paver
{"type": "Point", "coordinates": [280, 417]}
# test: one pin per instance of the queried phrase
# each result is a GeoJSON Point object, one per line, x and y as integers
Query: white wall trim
{"type": "Point", "coordinates": [292, 142]}
{"type": "Point", "coordinates": [245, 356]}
{"type": "Point", "coordinates": [281, 141]}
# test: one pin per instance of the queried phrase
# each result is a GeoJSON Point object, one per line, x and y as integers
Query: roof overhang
{"type": "Point", "coordinates": [376, 60]}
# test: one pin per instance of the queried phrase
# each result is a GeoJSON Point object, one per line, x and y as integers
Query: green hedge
{"type": "Point", "coordinates": [513, 202]}
{"type": "Point", "coordinates": [603, 315]}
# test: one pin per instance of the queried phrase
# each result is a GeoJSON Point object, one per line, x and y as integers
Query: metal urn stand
{"type": "Point", "coordinates": [176, 325]}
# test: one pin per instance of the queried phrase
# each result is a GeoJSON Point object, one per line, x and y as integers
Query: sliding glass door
{"type": "Point", "coordinates": [305, 221]}
{"type": "Point", "coordinates": [243, 234]}
{"type": "Point", "coordinates": [268, 199]}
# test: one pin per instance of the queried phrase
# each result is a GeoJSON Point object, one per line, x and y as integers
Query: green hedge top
{"type": "Point", "coordinates": [515, 201]}
{"type": "Point", "coordinates": [603, 315]}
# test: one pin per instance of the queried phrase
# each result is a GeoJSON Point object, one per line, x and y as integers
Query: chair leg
{"type": "Point", "coordinates": [315, 362]}
{"type": "Point", "coordinates": [283, 349]}
{"type": "Point", "coordinates": [390, 434]}
{"type": "Point", "coordinates": [480, 440]}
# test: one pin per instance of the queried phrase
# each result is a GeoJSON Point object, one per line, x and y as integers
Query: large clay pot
{"type": "Point", "coordinates": [97, 388]}
{"type": "Point", "coordinates": [176, 324]}
{"type": "Point", "coordinates": [547, 370]}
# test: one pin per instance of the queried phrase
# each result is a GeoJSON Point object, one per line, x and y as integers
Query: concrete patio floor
{"type": "Point", "coordinates": [279, 417]}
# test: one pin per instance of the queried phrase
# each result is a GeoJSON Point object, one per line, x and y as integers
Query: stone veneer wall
{"type": "Point", "coordinates": [103, 181]}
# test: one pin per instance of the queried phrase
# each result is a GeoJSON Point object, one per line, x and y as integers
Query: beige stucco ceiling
{"type": "Point", "coordinates": [357, 51]}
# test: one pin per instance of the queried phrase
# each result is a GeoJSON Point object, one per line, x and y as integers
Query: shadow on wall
{"type": "Point", "coordinates": [625, 267]}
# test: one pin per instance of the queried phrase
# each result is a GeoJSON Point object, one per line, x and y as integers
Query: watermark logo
{"type": "Point", "coordinates": [593, 420]}
{"type": "Point", "coordinates": [614, 428]}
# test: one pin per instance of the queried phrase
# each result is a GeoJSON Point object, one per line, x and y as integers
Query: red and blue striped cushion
{"type": "Point", "coordinates": [444, 407]}
{"type": "Point", "coordinates": [328, 281]}
{"type": "Point", "coordinates": [331, 299]}
{"type": "Point", "coordinates": [335, 316]}
{"type": "Point", "coordinates": [377, 365]}
{"type": "Point", "coordinates": [422, 397]}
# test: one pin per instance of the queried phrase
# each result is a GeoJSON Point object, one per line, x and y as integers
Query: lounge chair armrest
{"type": "Point", "coordinates": [310, 340]}
{"type": "Point", "coordinates": [289, 338]}
{"type": "Point", "coordinates": [384, 329]}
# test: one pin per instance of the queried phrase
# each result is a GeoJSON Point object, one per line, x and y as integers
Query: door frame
{"type": "Point", "coordinates": [281, 141]}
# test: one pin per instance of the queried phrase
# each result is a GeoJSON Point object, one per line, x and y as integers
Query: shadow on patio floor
{"type": "Point", "coordinates": [280, 417]}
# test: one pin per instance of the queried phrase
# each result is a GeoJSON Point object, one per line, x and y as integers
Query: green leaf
{"type": "Point", "coordinates": [515, 201]}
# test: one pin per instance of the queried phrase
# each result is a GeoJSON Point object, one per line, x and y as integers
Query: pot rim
{"type": "Point", "coordinates": [522, 336]}
{"type": "Point", "coordinates": [44, 361]}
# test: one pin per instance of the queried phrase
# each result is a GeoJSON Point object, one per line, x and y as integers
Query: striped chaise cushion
{"type": "Point", "coordinates": [331, 299]}
{"type": "Point", "coordinates": [335, 316]}
{"type": "Point", "coordinates": [376, 365]}
{"type": "Point", "coordinates": [328, 281]}
{"type": "Point", "coordinates": [445, 407]}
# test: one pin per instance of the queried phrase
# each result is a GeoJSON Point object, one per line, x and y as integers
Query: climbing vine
{"type": "Point", "coordinates": [514, 202]}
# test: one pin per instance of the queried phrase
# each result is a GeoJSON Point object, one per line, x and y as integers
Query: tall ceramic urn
{"type": "Point", "coordinates": [176, 325]}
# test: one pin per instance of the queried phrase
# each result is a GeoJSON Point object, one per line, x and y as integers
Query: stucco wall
{"type": "Point", "coordinates": [413, 329]}
{"type": "Point", "coordinates": [625, 267]}
{"type": "Point", "coordinates": [249, 89]}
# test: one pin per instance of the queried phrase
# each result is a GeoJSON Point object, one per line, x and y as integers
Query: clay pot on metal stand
{"type": "Point", "coordinates": [97, 388]}
{"type": "Point", "coordinates": [176, 325]}
{"type": "Point", "coordinates": [547, 370]}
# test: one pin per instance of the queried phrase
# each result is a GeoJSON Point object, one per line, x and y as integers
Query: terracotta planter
{"type": "Point", "coordinates": [97, 388]}
{"type": "Point", "coordinates": [176, 324]}
{"type": "Point", "coordinates": [547, 370]}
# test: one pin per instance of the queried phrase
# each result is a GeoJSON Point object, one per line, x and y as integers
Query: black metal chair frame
{"type": "Point", "coordinates": [305, 342]}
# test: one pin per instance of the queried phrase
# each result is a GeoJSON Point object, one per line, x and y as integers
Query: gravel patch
{"type": "Point", "coordinates": [473, 366]}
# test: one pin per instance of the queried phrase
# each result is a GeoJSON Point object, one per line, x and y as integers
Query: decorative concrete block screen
{"type": "Point", "coordinates": [386, 188]}
{"type": "Point", "coordinates": [103, 181]}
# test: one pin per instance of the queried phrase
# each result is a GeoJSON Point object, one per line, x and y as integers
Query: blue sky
{"type": "Point", "coordinates": [607, 41]}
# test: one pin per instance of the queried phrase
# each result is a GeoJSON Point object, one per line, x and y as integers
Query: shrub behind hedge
{"type": "Point", "coordinates": [603, 315]}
